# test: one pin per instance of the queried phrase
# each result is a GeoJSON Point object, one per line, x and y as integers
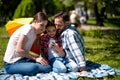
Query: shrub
{"type": "Point", "coordinates": [93, 33]}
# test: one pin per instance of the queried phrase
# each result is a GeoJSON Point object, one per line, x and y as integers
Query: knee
{"type": "Point", "coordinates": [48, 68]}
{"type": "Point", "coordinates": [36, 69]}
{"type": "Point", "coordinates": [32, 70]}
{"type": "Point", "coordinates": [60, 69]}
{"type": "Point", "coordinates": [74, 68]}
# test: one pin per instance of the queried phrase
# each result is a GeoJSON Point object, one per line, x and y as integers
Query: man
{"type": "Point", "coordinates": [72, 41]}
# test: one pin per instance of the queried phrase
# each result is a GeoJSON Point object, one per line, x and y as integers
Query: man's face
{"type": "Point", "coordinates": [59, 24]}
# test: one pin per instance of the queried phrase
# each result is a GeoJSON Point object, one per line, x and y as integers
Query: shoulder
{"type": "Point", "coordinates": [27, 30]}
{"type": "Point", "coordinates": [69, 31]}
{"type": "Point", "coordinates": [26, 27]}
{"type": "Point", "coordinates": [22, 29]}
{"type": "Point", "coordinates": [58, 39]}
{"type": "Point", "coordinates": [44, 37]}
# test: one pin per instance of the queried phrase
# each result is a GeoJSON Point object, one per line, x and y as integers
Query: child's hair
{"type": "Point", "coordinates": [50, 24]}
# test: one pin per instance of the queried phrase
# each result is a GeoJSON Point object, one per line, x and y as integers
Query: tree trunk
{"type": "Point", "coordinates": [85, 6]}
{"type": "Point", "coordinates": [43, 7]}
{"type": "Point", "coordinates": [99, 20]}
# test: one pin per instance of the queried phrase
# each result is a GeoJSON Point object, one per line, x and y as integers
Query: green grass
{"type": "Point", "coordinates": [102, 50]}
{"type": "Point", "coordinates": [111, 22]}
{"type": "Point", "coordinates": [3, 43]}
{"type": "Point", "coordinates": [91, 22]}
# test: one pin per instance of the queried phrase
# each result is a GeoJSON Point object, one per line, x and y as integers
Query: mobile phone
{"type": "Point", "coordinates": [52, 41]}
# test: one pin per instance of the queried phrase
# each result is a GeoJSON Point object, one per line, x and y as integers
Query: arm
{"type": "Point", "coordinates": [76, 47]}
{"type": "Point", "coordinates": [57, 48]}
{"type": "Point", "coordinates": [44, 52]}
{"type": "Point", "coordinates": [20, 49]}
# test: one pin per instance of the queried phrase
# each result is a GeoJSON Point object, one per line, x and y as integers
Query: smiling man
{"type": "Point", "coordinates": [72, 41]}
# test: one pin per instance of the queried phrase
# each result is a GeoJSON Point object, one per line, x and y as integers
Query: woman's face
{"type": "Point", "coordinates": [51, 31]}
{"type": "Point", "coordinates": [40, 26]}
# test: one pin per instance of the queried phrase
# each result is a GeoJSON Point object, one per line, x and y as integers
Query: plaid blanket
{"type": "Point", "coordinates": [94, 71]}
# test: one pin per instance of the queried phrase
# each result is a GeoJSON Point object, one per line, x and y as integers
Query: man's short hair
{"type": "Point", "coordinates": [63, 15]}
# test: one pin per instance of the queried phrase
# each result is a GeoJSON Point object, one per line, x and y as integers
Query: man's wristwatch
{"type": "Point", "coordinates": [83, 69]}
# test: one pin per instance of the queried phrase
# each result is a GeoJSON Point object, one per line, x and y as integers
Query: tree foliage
{"type": "Point", "coordinates": [7, 8]}
{"type": "Point", "coordinates": [25, 9]}
{"type": "Point", "coordinates": [58, 5]}
{"type": "Point", "coordinates": [0, 3]}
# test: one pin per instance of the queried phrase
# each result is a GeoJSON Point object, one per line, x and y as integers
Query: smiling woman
{"type": "Point", "coordinates": [17, 58]}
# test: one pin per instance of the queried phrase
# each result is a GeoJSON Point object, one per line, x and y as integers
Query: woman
{"type": "Point", "coordinates": [17, 59]}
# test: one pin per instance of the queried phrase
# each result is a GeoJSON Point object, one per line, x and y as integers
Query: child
{"type": "Point", "coordinates": [51, 46]}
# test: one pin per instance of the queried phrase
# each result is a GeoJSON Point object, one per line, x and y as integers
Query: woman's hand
{"type": "Point", "coordinates": [42, 61]}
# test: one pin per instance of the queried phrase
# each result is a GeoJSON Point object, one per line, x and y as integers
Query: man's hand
{"type": "Point", "coordinates": [83, 72]}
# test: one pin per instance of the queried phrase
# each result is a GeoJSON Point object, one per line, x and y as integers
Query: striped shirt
{"type": "Point", "coordinates": [73, 45]}
{"type": "Point", "coordinates": [44, 42]}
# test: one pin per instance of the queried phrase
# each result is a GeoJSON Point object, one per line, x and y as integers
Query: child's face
{"type": "Point", "coordinates": [51, 31]}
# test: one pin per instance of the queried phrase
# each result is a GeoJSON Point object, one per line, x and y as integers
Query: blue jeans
{"type": "Point", "coordinates": [26, 67]}
{"type": "Point", "coordinates": [62, 65]}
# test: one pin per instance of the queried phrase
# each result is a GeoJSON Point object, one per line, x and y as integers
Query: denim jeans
{"type": "Point", "coordinates": [26, 67]}
{"type": "Point", "coordinates": [62, 65]}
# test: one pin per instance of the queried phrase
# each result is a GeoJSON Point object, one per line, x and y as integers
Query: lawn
{"type": "Point", "coordinates": [3, 43]}
{"type": "Point", "coordinates": [111, 22]}
{"type": "Point", "coordinates": [101, 47]}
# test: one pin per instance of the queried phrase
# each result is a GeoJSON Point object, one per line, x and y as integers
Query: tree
{"type": "Point", "coordinates": [7, 8]}
{"type": "Point", "coordinates": [25, 9]}
{"type": "Point", "coordinates": [99, 19]}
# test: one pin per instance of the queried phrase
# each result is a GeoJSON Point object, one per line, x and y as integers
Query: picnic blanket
{"type": "Point", "coordinates": [94, 71]}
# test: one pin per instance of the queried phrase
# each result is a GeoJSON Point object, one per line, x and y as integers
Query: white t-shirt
{"type": "Point", "coordinates": [11, 55]}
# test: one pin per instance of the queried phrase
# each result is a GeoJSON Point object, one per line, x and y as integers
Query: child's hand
{"type": "Point", "coordinates": [54, 46]}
